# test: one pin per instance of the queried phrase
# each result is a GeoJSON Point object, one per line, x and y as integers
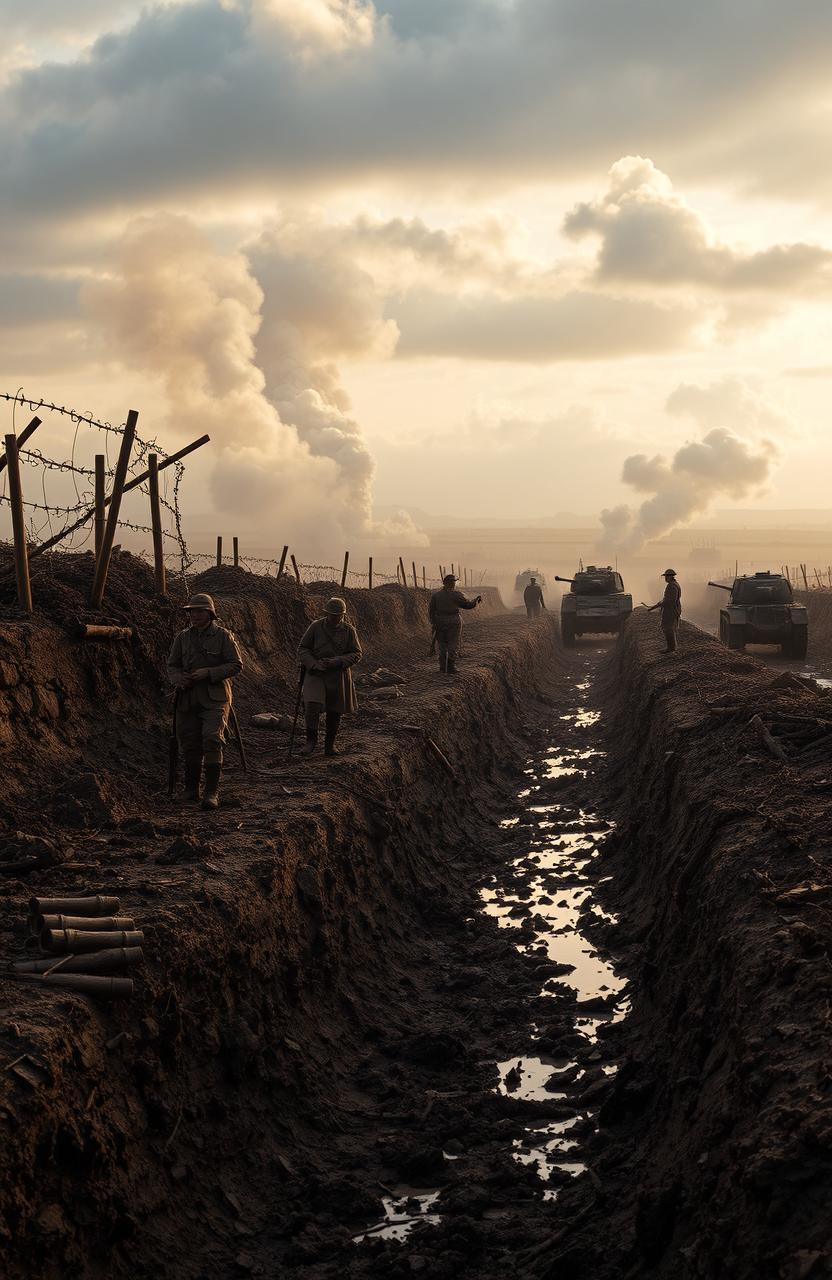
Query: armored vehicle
{"type": "Point", "coordinates": [597, 602]}
{"type": "Point", "coordinates": [523, 579]}
{"type": "Point", "coordinates": [761, 610]}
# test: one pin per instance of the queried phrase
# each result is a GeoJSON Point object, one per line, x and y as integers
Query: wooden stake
{"type": "Point", "coordinates": [297, 570]}
{"type": "Point", "coordinates": [452, 566]}
{"type": "Point", "coordinates": [236, 544]}
{"type": "Point", "coordinates": [156, 523]}
{"type": "Point", "coordinates": [371, 575]}
{"type": "Point", "coordinates": [219, 550]}
{"type": "Point", "coordinates": [344, 570]}
{"type": "Point", "coordinates": [283, 555]}
{"type": "Point", "coordinates": [415, 579]}
{"type": "Point", "coordinates": [404, 575]}
{"type": "Point", "coordinates": [100, 495]}
{"type": "Point", "coordinates": [102, 564]}
{"type": "Point", "coordinates": [22, 438]}
{"type": "Point", "coordinates": [805, 579]}
{"type": "Point", "coordinates": [424, 579]}
{"type": "Point", "coordinates": [21, 555]}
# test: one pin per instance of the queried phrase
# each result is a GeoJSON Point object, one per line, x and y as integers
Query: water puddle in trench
{"type": "Point", "coordinates": [555, 871]}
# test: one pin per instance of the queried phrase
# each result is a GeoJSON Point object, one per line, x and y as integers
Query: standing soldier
{"type": "Point", "coordinates": [443, 613]}
{"type": "Point", "coordinates": [203, 661]}
{"type": "Point", "coordinates": [328, 648]}
{"type": "Point", "coordinates": [533, 599]}
{"type": "Point", "coordinates": [671, 607]}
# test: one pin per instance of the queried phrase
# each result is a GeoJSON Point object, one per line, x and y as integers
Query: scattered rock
{"type": "Point", "coordinates": [270, 720]}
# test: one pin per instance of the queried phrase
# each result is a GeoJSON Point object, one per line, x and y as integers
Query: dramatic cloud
{"type": "Point", "coordinates": [651, 235]}
{"type": "Point", "coordinates": [684, 486]}
{"type": "Point", "coordinates": [530, 89]}
{"type": "Point", "coordinates": [190, 315]}
{"type": "Point", "coordinates": [730, 403]}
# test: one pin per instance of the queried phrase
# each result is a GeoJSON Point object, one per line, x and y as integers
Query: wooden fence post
{"type": "Point", "coordinates": [100, 494]}
{"type": "Point", "coordinates": [404, 575]}
{"type": "Point", "coordinates": [344, 570]}
{"type": "Point", "coordinates": [424, 578]}
{"type": "Point", "coordinates": [452, 567]}
{"type": "Point", "coordinates": [371, 575]}
{"type": "Point", "coordinates": [415, 579]}
{"type": "Point", "coordinates": [102, 564]}
{"type": "Point", "coordinates": [297, 570]}
{"type": "Point", "coordinates": [21, 553]}
{"type": "Point", "coordinates": [219, 550]}
{"type": "Point", "coordinates": [283, 556]}
{"type": "Point", "coordinates": [805, 579]}
{"type": "Point", "coordinates": [235, 542]}
{"type": "Point", "coordinates": [156, 523]}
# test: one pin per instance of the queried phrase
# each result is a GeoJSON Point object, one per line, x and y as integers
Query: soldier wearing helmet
{"type": "Point", "coordinates": [327, 651]}
{"type": "Point", "coordinates": [671, 607]}
{"type": "Point", "coordinates": [443, 612]}
{"type": "Point", "coordinates": [203, 661]}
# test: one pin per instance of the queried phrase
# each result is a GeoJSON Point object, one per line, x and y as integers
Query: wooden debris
{"type": "Point", "coordinates": [771, 744]}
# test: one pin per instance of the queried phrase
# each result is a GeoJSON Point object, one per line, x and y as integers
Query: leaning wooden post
{"type": "Point", "coordinates": [219, 550]}
{"type": "Point", "coordinates": [22, 438]}
{"type": "Point", "coordinates": [156, 523]}
{"type": "Point", "coordinates": [805, 579]}
{"type": "Point", "coordinates": [102, 564]}
{"type": "Point", "coordinates": [371, 575]}
{"type": "Point", "coordinates": [100, 494]}
{"type": "Point", "coordinates": [344, 570]}
{"type": "Point", "coordinates": [21, 552]}
{"type": "Point", "coordinates": [283, 555]}
{"type": "Point", "coordinates": [236, 545]}
{"type": "Point", "coordinates": [297, 570]}
{"type": "Point", "coordinates": [452, 566]}
{"type": "Point", "coordinates": [424, 578]}
{"type": "Point", "coordinates": [415, 579]}
{"type": "Point", "coordinates": [404, 575]}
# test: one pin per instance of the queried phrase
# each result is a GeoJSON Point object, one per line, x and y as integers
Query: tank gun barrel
{"type": "Point", "coordinates": [720, 585]}
{"type": "Point", "coordinates": [559, 579]}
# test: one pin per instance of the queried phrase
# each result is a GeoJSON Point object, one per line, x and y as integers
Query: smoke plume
{"type": "Point", "coordinates": [244, 348]}
{"type": "Point", "coordinates": [684, 486]}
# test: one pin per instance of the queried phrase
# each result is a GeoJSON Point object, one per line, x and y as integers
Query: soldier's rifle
{"type": "Point", "coordinates": [235, 725]}
{"type": "Point", "coordinates": [173, 749]}
{"type": "Point", "coordinates": [297, 713]}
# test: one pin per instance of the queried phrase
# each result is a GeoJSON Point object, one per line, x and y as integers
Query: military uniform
{"type": "Point", "coordinates": [202, 708]}
{"type": "Point", "coordinates": [443, 612]}
{"type": "Point", "coordinates": [671, 611]}
{"type": "Point", "coordinates": [326, 654]}
{"type": "Point", "coordinates": [533, 600]}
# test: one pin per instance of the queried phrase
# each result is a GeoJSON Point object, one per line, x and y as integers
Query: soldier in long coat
{"type": "Point", "coordinates": [443, 612]}
{"type": "Point", "coordinates": [202, 663]}
{"type": "Point", "coordinates": [327, 651]}
{"type": "Point", "coordinates": [533, 599]}
{"type": "Point", "coordinates": [671, 611]}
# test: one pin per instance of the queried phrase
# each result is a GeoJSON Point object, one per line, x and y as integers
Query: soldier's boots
{"type": "Point", "coordinates": [451, 668]}
{"type": "Point", "coordinates": [210, 794]}
{"type": "Point", "coordinates": [443, 665]}
{"type": "Point", "coordinates": [193, 773]}
{"type": "Point", "coordinates": [333, 720]}
{"type": "Point", "coordinates": [312, 718]}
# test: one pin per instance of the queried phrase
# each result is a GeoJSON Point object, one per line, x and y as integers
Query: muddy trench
{"type": "Point", "coordinates": [564, 1013]}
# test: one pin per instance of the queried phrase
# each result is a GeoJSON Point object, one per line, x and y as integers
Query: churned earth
{"type": "Point", "coordinates": [553, 1001]}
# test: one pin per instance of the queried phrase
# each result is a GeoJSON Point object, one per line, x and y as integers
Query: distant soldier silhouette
{"type": "Point", "coordinates": [671, 610]}
{"type": "Point", "coordinates": [533, 599]}
{"type": "Point", "coordinates": [443, 612]}
{"type": "Point", "coordinates": [203, 661]}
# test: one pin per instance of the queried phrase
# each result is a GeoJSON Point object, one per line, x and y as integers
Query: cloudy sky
{"type": "Point", "coordinates": [482, 257]}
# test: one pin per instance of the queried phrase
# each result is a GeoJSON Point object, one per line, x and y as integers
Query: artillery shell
{"type": "Point", "coordinates": [60, 940]}
{"type": "Point", "coordinates": [95, 905]}
{"type": "Point", "coordinates": [112, 960]}
{"type": "Point", "coordinates": [85, 923]}
{"type": "Point", "coordinates": [105, 988]}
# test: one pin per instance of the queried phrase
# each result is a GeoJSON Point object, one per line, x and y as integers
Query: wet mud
{"type": "Point", "coordinates": [563, 1013]}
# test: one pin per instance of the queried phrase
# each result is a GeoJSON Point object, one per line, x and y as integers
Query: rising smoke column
{"type": "Point", "coordinates": [291, 459]}
{"type": "Point", "coordinates": [684, 486]}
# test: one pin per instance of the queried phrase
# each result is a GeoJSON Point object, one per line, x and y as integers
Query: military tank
{"type": "Point", "coordinates": [761, 610]}
{"type": "Point", "coordinates": [595, 604]}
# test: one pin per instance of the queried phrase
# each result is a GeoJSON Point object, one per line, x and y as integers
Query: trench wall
{"type": "Point", "coordinates": [720, 1105]}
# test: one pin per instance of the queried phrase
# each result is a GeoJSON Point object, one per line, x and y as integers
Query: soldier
{"type": "Point", "coordinates": [443, 612]}
{"type": "Point", "coordinates": [328, 648]}
{"type": "Point", "coordinates": [671, 607]}
{"type": "Point", "coordinates": [203, 661]}
{"type": "Point", "coordinates": [533, 599]}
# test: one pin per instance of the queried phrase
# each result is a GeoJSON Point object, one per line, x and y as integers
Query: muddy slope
{"type": "Point", "coordinates": [285, 939]}
{"type": "Point", "coordinates": [722, 876]}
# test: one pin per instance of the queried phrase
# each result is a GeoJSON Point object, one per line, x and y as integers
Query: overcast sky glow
{"type": "Point", "coordinates": [461, 255]}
